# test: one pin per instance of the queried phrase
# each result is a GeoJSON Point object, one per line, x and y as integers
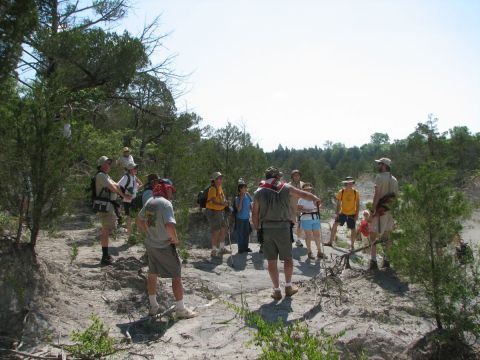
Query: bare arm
{"type": "Point", "coordinates": [115, 188]}
{"type": "Point", "coordinates": [172, 233]}
{"type": "Point", "coordinates": [142, 224]}
{"type": "Point", "coordinates": [256, 215]}
{"type": "Point", "coordinates": [304, 195]}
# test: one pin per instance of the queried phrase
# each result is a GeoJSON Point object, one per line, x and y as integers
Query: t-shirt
{"type": "Point", "coordinates": [101, 183]}
{"type": "Point", "coordinates": [275, 209]}
{"type": "Point", "coordinates": [123, 161]}
{"type": "Point", "coordinates": [158, 212]}
{"type": "Point", "coordinates": [217, 194]}
{"type": "Point", "coordinates": [132, 186]}
{"type": "Point", "coordinates": [386, 183]}
{"type": "Point", "coordinates": [244, 213]}
{"type": "Point", "coordinates": [308, 207]}
{"type": "Point", "coordinates": [349, 199]}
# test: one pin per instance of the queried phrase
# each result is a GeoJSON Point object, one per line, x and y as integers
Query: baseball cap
{"type": "Point", "coordinates": [102, 160]}
{"type": "Point", "coordinates": [216, 175]}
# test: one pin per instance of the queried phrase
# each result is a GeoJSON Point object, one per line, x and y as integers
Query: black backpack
{"type": "Point", "coordinates": [202, 197]}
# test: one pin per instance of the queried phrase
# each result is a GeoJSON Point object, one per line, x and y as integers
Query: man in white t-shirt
{"type": "Point", "coordinates": [130, 183]}
{"type": "Point", "coordinates": [125, 159]}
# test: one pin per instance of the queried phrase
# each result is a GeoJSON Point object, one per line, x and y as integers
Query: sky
{"type": "Point", "coordinates": [303, 72]}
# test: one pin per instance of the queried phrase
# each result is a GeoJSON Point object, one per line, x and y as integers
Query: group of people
{"type": "Point", "coordinates": [275, 209]}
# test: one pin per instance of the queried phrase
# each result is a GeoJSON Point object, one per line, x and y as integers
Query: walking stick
{"type": "Point", "coordinates": [230, 243]}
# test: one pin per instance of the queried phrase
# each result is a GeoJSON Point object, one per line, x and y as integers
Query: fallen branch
{"type": "Point", "coordinates": [28, 355]}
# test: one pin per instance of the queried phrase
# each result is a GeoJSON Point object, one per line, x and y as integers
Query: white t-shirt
{"type": "Point", "coordinates": [123, 161]}
{"type": "Point", "coordinates": [308, 207]}
{"type": "Point", "coordinates": [132, 186]}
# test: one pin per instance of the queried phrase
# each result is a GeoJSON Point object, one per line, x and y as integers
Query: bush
{"type": "Point", "coordinates": [93, 342]}
{"type": "Point", "coordinates": [288, 342]}
{"type": "Point", "coordinates": [429, 216]}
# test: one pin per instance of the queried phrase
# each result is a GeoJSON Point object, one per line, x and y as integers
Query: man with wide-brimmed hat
{"type": "Point", "coordinates": [125, 159]}
{"type": "Point", "coordinates": [381, 219]}
{"type": "Point", "coordinates": [215, 212]}
{"type": "Point", "coordinates": [296, 182]}
{"type": "Point", "coordinates": [106, 191]}
{"type": "Point", "coordinates": [271, 217]}
{"type": "Point", "coordinates": [348, 206]}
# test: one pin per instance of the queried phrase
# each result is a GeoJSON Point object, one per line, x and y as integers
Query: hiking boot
{"type": "Point", "coordinates": [249, 250]}
{"type": "Point", "coordinates": [276, 295]}
{"type": "Point", "coordinates": [291, 290]}
{"type": "Point", "coordinates": [153, 310]}
{"type": "Point", "coordinates": [386, 264]}
{"type": "Point", "coordinates": [224, 251]}
{"type": "Point", "coordinates": [328, 244]}
{"type": "Point", "coordinates": [213, 253]}
{"type": "Point", "coordinates": [106, 260]}
{"type": "Point", "coordinates": [310, 256]}
{"type": "Point", "coordinates": [298, 243]}
{"type": "Point", "coordinates": [260, 251]}
{"type": "Point", "coordinates": [185, 313]}
{"type": "Point", "coordinates": [373, 265]}
{"type": "Point", "coordinates": [320, 255]}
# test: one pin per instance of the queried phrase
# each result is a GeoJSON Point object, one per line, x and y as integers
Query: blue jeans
{"type": "Point", "coordinates": [242, 231]}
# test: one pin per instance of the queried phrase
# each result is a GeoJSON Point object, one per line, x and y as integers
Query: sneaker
{"type": "Point", "coordinates": [291, 290]}
{"type": "Point", "coordinates": [224, 251]}
{"type": "Point", "coordinates": [213, 253]}
{"type": "Point", "coordinates": [153, 310]}
{"type": "Point", "coordinates": [249, 250]}
{"type": "Point", "coordinates": [185, 313]}
{"type": "Point", "coordinates": [310, 256]}
{"type": "Point", "coordinates": [107, 260]}
{"type": "Point", "coordinates": [320, 255]}
{"type": "Point", "coordinates": [298, 243]}
{"type": "Point", "coordinates": [276, 295]}
{"type": "Point", "coordinates": [386, 264]}
{"type": "Point", "coordinates": [373, 265]}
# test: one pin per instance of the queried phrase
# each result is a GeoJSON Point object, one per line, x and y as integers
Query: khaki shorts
{"type": "Point", "coordinates": [164, 262]}
{"type": "Point", "coordinates": [108, 220]}
{"type": "Point", "coordinates": [216, 219]}
{"type": "Point", "coordinates": [381, 224]}
{"type": "Point", "coordinates": [277, 244]}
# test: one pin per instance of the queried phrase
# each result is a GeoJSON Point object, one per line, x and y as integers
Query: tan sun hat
{"type": "Point", "coordinates": [216, 175]}
{"type": "Point", "coordinates": [102, 160]}
{"type": "Point", "coordinates": [126, 149]}
{"type": "Point", "coordinates": [384, 160]}
{"type": "Point", "coordinates": [307, 186]}
{"type": "Point", "coordinates": [349, 180]}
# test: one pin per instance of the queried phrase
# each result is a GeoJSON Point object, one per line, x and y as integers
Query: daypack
{"type": "Point", "coordinates": [202, 197]}
{"type": "Point", "coordinates": [125, 188]}
{"type": "Point", "coordinates": [99, 203]}
{"type": "Point", "coordinates": [354, 195]}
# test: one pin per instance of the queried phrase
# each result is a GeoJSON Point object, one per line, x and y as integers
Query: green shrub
{"type": "Point", "coordinates": [93, 342]}
{"type": "Point", "coordinates": [293, 341]}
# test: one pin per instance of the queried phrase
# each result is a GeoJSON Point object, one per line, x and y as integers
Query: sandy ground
{"type": "Point", "coordinates": [377, 312]}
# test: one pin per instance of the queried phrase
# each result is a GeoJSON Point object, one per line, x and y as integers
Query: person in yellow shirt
{"type": "Point", "coordinates": [348, 206]}
{"type": "Point", "coordinates": [216, 204]}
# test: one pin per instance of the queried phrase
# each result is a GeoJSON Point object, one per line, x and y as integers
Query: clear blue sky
{"type": "Point", "coordinates": [301, 72]}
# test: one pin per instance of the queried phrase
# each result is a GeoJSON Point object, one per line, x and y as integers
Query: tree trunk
{"type": "Point", "coordinates": [436, 299]}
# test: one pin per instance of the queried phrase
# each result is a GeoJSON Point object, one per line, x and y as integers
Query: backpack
{"type": "Point", "coordinates": [125, 188]}
{"type": "Point", "coordinates": [137, 203]}
{"type": "Point", "coordinates": [99, 203]}
{"type": "Point", "coordinates": [354, 195]}
{"type": "Point", "coordinates": [202, 197]}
